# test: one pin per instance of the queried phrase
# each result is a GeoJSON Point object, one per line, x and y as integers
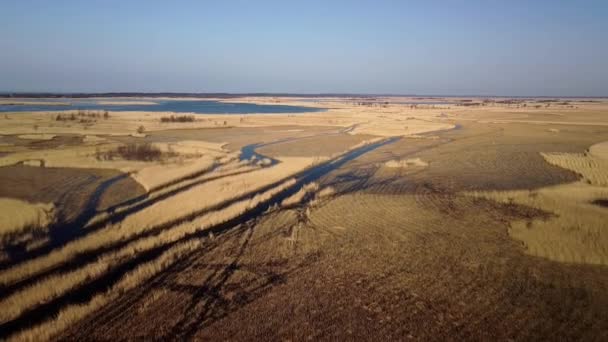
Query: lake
{"type": "Point", "coordinates": [176, 106]}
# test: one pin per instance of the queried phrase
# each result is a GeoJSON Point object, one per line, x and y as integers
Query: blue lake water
{"type": "Point", "coordinates": [176, 106]}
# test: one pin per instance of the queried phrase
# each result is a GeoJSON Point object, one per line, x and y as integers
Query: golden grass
{"type": "Point", "coordinates": [599, 150]}
{"type": "Point", "coordinates": [214, 192]}
{"type": "Point", "coordinates": [58, 284]}
{"type": "Point", "coordinates": [326, 192]}
{"type": "Point", "coordinates": [299, 196]}
{"type": "Point", "coordinates": [322, 195]}
{"type": "Point", "coordinates": [577, 232]}
{"type": "Point", "coordinates": [593, 169]}
{"type": "Point", "coordinates": [71, 314]}
{"type": "Point", "coordinates": [157, 175]}
{"type": "Point", "coordinates": [93, 139]}
{"type": "Point", "coordinates": [392, 120]}
{"type": "Point", "coordinates": [188, 157]}
{"type": "Point", "coordinates": [180, 205]}
{"type": "Point", "coordinates": [370, 213]}
{"type": "Point", "coordinates": [224, 170]}
{"type": "Point", "coordinates": [404, 163]}
{"type": "Point", "coordinates": [19, 216]}
{"type": "Point", "coordinates": [377, 121]}
{"type": "Point", "coordinates": [399, 127]}
{"type": "Point", "coordinates": [193, 147]}
{"type": "Point", "coordinates": [37, 136]}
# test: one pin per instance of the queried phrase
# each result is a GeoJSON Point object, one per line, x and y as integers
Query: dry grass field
{"type": "Point", "coordinates": [373, 220]}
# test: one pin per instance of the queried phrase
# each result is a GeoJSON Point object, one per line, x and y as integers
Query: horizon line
{"type": "Point", "coordinates": [9, 94]}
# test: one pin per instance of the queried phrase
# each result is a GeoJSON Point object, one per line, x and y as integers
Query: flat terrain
{"type": "Point", "coordinates": [458, 221]}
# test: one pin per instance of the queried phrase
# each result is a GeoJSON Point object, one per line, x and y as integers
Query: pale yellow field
{"type": "Point", "coordinates": [593, 169]}
{"type": "Point", "coordinates": [189, 157]}
{"type": "Point", "coordinates": [19, 216]}
{"type": "Point", "coordinates": [599, 150]}
{"type": "Point", "coordinates": [396, 120]}
{"type": "Point", "coordinates": [577, 230]}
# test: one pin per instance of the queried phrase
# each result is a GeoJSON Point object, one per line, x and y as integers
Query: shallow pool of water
{"type": "Point", "coordinates": [176, 106]}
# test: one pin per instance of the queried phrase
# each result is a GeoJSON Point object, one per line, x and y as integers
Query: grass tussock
{"type": "Point", "coordinates": [299, 196]}
{"type": "Point", "coordinates": [322, 195]}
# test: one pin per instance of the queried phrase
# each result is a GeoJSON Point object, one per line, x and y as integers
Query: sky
{"type": "Point", "coordinates": [450, 47]}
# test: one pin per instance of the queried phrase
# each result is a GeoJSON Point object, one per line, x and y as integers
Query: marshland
{"type": "Point", "coordinates": [299, 171]}
{"type": "Point", "coordinates": [195, 228]}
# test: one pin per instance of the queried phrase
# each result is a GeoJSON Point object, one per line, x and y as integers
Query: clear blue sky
{"type": "Point", "coordinates": [486, 47]}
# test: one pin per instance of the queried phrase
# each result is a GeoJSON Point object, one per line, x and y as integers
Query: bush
{"type": "Point", "coordinates": [179, 118]}
{"type": "Point", "coordinates": [146, 152]}
{"type": "Point", "coordinates": [133, 151]}
{"type": "Point", "coordinates": [71, 117]}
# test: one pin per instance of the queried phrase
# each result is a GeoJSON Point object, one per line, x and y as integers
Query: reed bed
{"type": "Point", "coordinates": [19, 217]}
{"type": "Point", "coordinates": [593, 169]}
{"type": "Point", "coordinates": [59, 284]}
{"type": "Point", "coordinates": [166, 211]}
{"type": "Point", "coordinates": [575, 233]}
{"type": "Point", "coordinates": [297, 198]}
{"type": "Point", "coordinates": [71, 314]}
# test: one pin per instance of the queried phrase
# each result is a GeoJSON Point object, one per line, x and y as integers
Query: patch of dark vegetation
{"type": "Point", "coordinates": [178, 118]}
{"type": "Point", "coordinates": [602, 202]}
{"type": "Point", "coordinates": [55, 142]}
{"type": "Point", "coordinates": [133, 151]}
{"type": "Point", "coordinates": [469, 104]}
{"type": "Point", "coordinates": [71, 117]}
{"type": "Point", "coordinates": [511, 211]}
{"type": "Point", "coordinates": [84, 116]}
{"type": "Point", "coordinates": [510, 101]}
{"type": "Point", "coordinates": [29, 235]}
{"type": "Point", "coordinates": [372, 103]}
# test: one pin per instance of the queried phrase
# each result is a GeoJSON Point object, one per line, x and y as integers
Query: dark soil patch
{"type": "Point", "coordinates": [601, 202]}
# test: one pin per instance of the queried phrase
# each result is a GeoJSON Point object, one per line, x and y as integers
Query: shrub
{"type": "Point", "coordinates": [133, 151]}
{"type": "Point", "coordinates": [146, 152]}
{"type": "Point", "coordinates": [179, 118]}
{"type": "Point", "coordinates": [71, 117]}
